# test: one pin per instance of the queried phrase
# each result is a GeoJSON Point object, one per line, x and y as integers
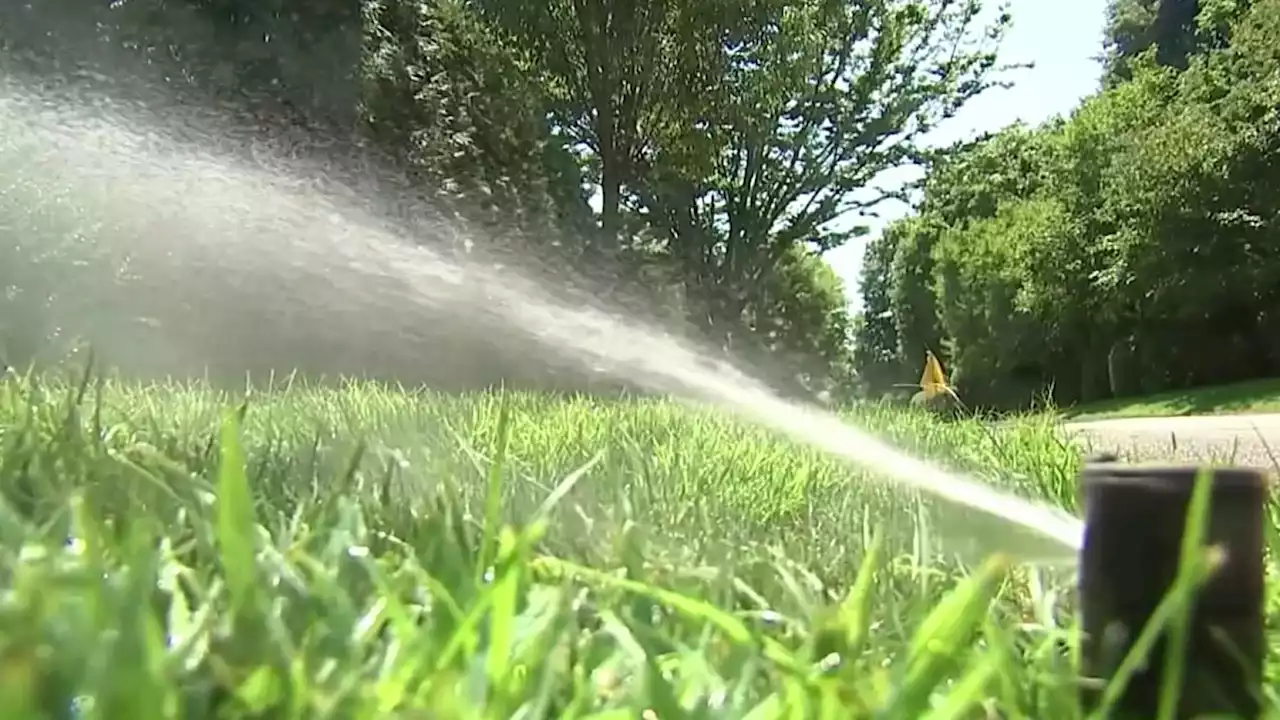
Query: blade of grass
{"type": "Point", "coordinates": [493, 491]}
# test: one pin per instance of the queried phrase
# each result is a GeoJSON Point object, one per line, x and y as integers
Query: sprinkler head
{"type": "Point", "coordinates": [1134, 520]}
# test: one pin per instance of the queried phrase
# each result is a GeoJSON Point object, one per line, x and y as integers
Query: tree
{"type": "Point", "coordinates": [460, 105]}
{"type": "Point", "coordinates": [818, 98]}
{"type": "Point", "coordinates": [1131, 247]}
{"type": "Point", "coordinates": [996, 299]}
{"type": "Point", "coordinates": [1172, 31]}
{"type": "Point", "coordinates": [725, 138]}
{"type": "Point", "coordinates": [611, 70]}
{"type": "Point", "coordinates": [967, 184]}
{"type": "Point", "coordinates": [295, 56]}
{"type": "Point", "coordinates": [803, 325]}
{"type": "Point", "coordinates": [875, 337]}
{"type": "Point", "coordinates": [1198, 198]}
{"type": "Point", "coordinates": [914, 312]}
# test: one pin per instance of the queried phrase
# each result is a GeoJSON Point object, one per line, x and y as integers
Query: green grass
{"type": "Point", "coordinates": [1254, 396]}
{"type": "Point", "coordinates": [174, 552]}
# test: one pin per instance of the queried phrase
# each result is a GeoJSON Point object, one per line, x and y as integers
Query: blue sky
{"type": "Point", "coordinates": [1061, 39]}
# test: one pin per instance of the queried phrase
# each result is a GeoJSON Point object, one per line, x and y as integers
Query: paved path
{"type": "Point", "coordinates": [1238, 439]}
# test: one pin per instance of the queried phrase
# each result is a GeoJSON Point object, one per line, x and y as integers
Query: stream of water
{"type": "Point", "coordinates": [162, 223]}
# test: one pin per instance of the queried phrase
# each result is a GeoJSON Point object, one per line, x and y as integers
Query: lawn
{"type": "Point", "coordinates": [170, 551]}
{"type": "Point", "coordinates": [1254, 396]}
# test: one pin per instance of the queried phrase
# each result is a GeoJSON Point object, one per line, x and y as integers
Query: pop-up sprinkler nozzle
{"type": "Point", "coordinates": [1134, 521]}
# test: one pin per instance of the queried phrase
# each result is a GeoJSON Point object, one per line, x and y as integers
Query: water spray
{"type": "Point", "coordinates": [184, 249]}
{"type": "Point", "coordinates": [213, 229]}
{"type": "Point", "coordinates": [1135, 517]}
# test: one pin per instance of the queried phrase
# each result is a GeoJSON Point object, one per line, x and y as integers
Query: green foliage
{"type": "Point", "coordinates": [1169, 31]}
{"type": "Point", "coordinates": [460, 108]}
{"type": "Point", "coordinates": [803, 326]}
{"type": "Point", "coordinates": [815, 99]}
{"type": "Point", "coordinates": [1128, 248]}
{"type": "Point", "coordinates": [996, 293]}
{"type": "Point", "coordinates": [914, 313]}
{"type": "Point", "coordinates": [722, 139]}
{"type": "Point", "coordinates": [875, 337]}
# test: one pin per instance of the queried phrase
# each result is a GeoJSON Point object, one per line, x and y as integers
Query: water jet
{"type": "Point", "coordinates": [1135, 516]}
{"type": "Point", "coordinates": [214, 251]}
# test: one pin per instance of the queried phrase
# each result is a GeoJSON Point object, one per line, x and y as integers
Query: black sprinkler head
{"type": "Point", "coordinates": [1134, 520]}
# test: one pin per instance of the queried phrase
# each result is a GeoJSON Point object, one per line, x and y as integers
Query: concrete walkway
{"type": "Point", "coordinates": [1239, 439]}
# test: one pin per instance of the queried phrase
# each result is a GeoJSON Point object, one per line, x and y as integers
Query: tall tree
{"type": "Point", "coordinates": [610, 69]}
{"type": "Point", "coordinates": [1089, 256]}
{"type": "Point", "coordinates": [1173, 30]}
{"type": "Point", "coordinates": [296, 55]}
{"type": "Point", "coordinates": [803, 326]}
{"type": "Point", "coordinates": [875, 337]}
{"type": "Point", "coordinates": [458, 103]}
{"type": "Point", "coordinates": [818, 98]}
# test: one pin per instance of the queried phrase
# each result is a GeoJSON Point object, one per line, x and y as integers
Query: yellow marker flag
{"type": "Point", "coordinates": [933, 382]}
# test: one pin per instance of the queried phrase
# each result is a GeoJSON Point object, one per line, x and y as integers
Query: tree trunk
{"type": "Point", "coordinates": [611, 198]}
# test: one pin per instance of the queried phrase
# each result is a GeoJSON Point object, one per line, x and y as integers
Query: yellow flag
{"type": "Point", "coordinates": [933, 382]}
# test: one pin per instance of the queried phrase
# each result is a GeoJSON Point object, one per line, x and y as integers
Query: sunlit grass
{"type": "Point", "coordinates": [171, 551]}
{"type": "Point", "coordinates": [1253, 396]}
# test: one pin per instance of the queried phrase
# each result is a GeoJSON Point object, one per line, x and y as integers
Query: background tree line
{"type": "Point", "coordinates": [1129, 248]}
{"type": "Point", "coordinates": [698, 151]}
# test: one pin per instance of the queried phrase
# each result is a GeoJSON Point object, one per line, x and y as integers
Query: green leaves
{"type": "Point", "coordinates": [1081, 254]}
{"type": "Point", "coordinates": [737, 133]}
{"type": "Point", "coordinates": [237, 528]}
{"type": "Point", "coordinates": [943, 642]}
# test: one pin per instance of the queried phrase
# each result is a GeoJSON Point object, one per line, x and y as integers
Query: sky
{"type": "Point", "coordinates": [1061, 39]}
